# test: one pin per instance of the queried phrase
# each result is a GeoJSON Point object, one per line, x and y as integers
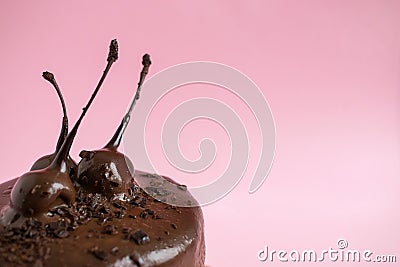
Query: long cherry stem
{"type": "Point", "coordinates": [48, 76]}
{"type": "Point", "coordinates": [61, 157]}
{"type": "Point", "coordinates": [115, 141]}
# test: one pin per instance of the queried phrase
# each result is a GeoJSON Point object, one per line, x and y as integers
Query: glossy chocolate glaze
{"type": "Point", "coordinates": [105, 171]}
{"type": "Point", "coordinates": [45, 161]}
{"type": "Point", "coordinates": [131, 230]}
{"type": "Point", "coordinates": [35, 194]}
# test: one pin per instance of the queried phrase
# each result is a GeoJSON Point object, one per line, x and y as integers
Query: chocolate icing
{"type": "Point", "coordinates": [132, 230]}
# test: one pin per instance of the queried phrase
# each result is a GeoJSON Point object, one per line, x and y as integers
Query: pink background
{"type": "Point", "coordinates": [330, 71]}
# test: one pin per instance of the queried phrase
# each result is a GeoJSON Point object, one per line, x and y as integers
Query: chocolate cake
{"type": "Point", "coordinates": [94, 213]}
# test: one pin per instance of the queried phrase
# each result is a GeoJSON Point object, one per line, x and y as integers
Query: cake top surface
{"type": "Point", "coordinates": [97, 230]}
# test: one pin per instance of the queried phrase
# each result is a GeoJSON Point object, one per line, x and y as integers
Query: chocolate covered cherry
{"type": "Point", "coordinates": [106, 170]}
{"type": "Point", "coordinates": [36, 192]}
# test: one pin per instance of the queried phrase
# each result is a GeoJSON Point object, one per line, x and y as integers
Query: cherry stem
{"type": "Point", "coordinates": [61, 157]}
{"type": "Point", "coordinates": [117, 137]}
{"type": "Point", "coordinates": [48, 76]}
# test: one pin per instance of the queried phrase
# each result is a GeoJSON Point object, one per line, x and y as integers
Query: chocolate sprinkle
{"type": "Point", "coordinates": [61, 233]}
{"type": "Point", "coordinates": [140, 237]}
{"type": "Point", "coordinates": [110, 229]}
{"type": "Point", "coordinates": [98, 253]}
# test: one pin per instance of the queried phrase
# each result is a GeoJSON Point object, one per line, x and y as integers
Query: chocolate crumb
{"type": "Point", "coordinates": [115, 250]}
{"type": "Point", "coordinates": [157, 217]}
{"type": "Point", "coordinates": [61, 233]}
{"type": "Point", "coordinates": [140, 237]}
{"type": "Point", "coordinates": [150, 212]}
{"type": "Point", "coordinates": [110, 229]}
{"type": "Point", "coordinates": [117, 205]}
{"type": "Point", "coordinates": [98, 253]}
{"type": "Point", "coordinates": [143, 214]}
